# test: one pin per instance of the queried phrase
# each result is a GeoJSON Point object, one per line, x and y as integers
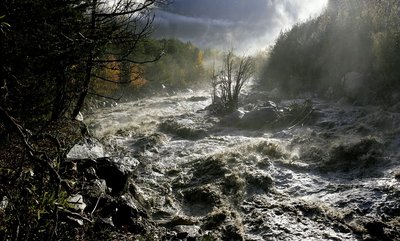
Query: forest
{"type": "Point", "coordinates": [110, 131]}
{"type": "Point", "coordinates": [181, 66]}
{"type": "Point", "coordinates": [349, 37]}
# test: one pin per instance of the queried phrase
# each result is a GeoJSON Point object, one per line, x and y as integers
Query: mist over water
{"type": "Point", "coordinates": [247, 26]}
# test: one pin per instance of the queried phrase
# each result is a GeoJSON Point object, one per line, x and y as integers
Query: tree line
{"type": "Point", "coordinates": [350, 36]}
{"type": "Point", "coordinates": [181, 66]}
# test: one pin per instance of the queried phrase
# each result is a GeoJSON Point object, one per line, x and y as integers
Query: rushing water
{"type": "Point", "coordinates": [231, 183]}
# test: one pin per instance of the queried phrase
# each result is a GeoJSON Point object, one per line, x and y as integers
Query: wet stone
{"type": "Point", "coordinates": [116, 172]}
{"type": "Point", "coordinates": [184, 231]}
{"type": "Point", "coordinates": [259, 118]}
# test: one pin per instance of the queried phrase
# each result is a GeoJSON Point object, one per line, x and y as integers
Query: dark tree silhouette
{"type": "Point", "coordinates": [236, 71]}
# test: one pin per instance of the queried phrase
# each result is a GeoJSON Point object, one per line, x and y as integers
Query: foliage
{"type": "Point", "coordinates": [236, 71]}
{"type": "Point", "coordinates": [350, 36]}
{"type": "Point", "coordinates": [52, 50]}
{"type": "Point", "coordinates": [180, 66]}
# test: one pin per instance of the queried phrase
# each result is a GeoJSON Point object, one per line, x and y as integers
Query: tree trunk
{"type": "Point", "coordinates": [89, 63]}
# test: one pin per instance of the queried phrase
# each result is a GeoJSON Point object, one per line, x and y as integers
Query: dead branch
{"type": "Point", "coordinates": [37, 156]}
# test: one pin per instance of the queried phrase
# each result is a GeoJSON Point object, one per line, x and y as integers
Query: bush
{"type": "Point", "coordinates": [236, 71]}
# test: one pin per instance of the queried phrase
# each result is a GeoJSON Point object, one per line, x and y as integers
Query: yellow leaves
{"type": "Point", "coordinates": [108, 77]}
{"type": "Point", "coordinates": [137, 80]}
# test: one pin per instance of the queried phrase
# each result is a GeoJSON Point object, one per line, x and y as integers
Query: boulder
{"type": "Point", "coordinates": [116, 172]}
{"type": "Point", "coordinates": [259, 117]}
{"type": "Point", "coordinates": [95, 188]}
{"type": "Point", "coordinates": [232, 118]}
{"type": "Point", "coordinates": [87, 149]}
{"type": "Point", "coordinates": [188, 232]}
{"type": "Point", "coordinates": [128, 215]}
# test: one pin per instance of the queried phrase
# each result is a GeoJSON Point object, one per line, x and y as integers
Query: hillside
{"type": "Point", "coordinates": [352, 50]}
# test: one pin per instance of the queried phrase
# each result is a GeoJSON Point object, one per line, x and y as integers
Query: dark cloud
{"type": "Point", "coordinates": [246, 25]}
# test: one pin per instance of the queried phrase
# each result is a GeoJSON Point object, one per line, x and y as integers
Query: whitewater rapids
{"type": "Point", "coordinates": [232, 183]}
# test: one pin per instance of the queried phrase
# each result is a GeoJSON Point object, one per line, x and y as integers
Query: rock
{"type": "Point", "coordinates": [232, 233]}
{"type": "Point", "coordinates": [128, 216]}
{"type": "Point", "coordinates": [270, 104]}
{"type": "Point", "coordinates": [76, 202]}
{"type": "Point", "coordinates": [259, 117]}
{"type": "Point", "coordinates": [116, 172]}
{"type": "Point", "coordinates": [215, 219]}
{"type": "Point", "coordinates": [95, 188]}
{"type": "Point", "coordinates": [198, 98]}
{"type": "Point", "coordinates": [226, 222]}
{"type": "Point", "coordinates": [376, 229]}
{"type": "Point", "coordinates": [232, 118]}
{"type": "Point", "coordinates": [4, 203]}
{"type": "Point", "coordinates": [102, 224]}
{"type": "Point", "coordinates": [183, 128]}
{"type": "Point", "coordinates": [185, 231]}
{"type": "Point", "coordinates": [179, 221]}
{"type": "Point", "coordinates": [87, 149]}
{"type": "Point", "coordinates": [79, 117]}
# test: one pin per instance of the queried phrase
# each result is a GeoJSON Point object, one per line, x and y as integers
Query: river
{"type": "Point", "coordinates": [332, 179]}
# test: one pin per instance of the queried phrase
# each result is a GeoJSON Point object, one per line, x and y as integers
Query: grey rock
{"type": "Point", "coordinates": [232, 118]}
{"type": "Point", "coordinates": [185, 231]}
{"type": "Point", "coordinates": [259, 117]}
{"type": "Point", "coordinates": [116, 172]}
{"type": "Point", "coordinates": [87, 149]}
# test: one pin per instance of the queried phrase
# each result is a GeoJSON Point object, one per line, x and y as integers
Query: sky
{"type": "Point", "coordinates": [245, 25]}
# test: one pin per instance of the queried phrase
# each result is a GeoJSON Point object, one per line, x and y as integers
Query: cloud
{"type": "Point", "coordinates": [246, 25]}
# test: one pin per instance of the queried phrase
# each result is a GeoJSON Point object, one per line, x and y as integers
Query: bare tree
{"type": "Point", "coordinates": [236, 71]}
{"type": "Point", "coordinates": [114, 30]}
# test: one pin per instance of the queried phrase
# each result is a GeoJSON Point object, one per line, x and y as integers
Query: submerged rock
{"type": "Point", "coordinates": [186, 130]}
